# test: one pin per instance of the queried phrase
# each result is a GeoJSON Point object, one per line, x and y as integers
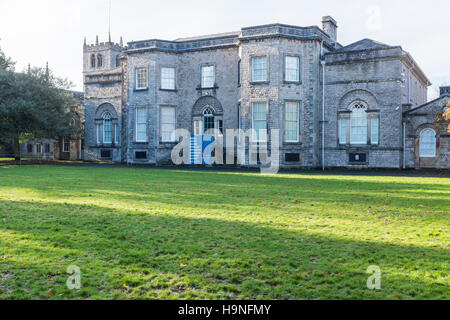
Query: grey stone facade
{"type": "Point", "coordinates": [428, 117]}
{"type": "Point", "coordinates": [385, 79]}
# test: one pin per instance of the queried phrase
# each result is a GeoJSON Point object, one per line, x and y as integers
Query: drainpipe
{"type": "Point", "coordinates": [409, 84]}
{"type": "Point", "coordinates": [323, 108]}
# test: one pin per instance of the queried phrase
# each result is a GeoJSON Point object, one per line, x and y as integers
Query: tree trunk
{"type": "Point", "coordinates": [16, 148]}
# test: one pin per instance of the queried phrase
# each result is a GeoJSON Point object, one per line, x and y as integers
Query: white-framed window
{"type": "Point", "coordinates": [292, 122]}
{"type": "Point", "coordinates": [292, 69]}
{"type": "Point", "coordinates": [141, 124]}
{"type": "Point", "coordinates": [38, 148]}
{"type": "Point", "coordinates": [219, 126]}
{"type": "Point", "coordinates": [358, 124]}
{"type": "Point", "coordinates": [168, 78]}
{"type": "Point", "coordinates": [259, 69]}
{"type": "Point", "coordinates": [168, 123]}
{"type": "Point", "coordinates": [198, 126]}
{"type": "Point", "coordinates": [141, 78]}
{"type": "Point", "coordinates": [427, 143]}
{"type": "Point", "coordinates": [66, 145]}
{"type": "Point", "coordinates": [116, 133]}
{"type": "Point", "coordinates": [99, 134]}
{"type": "Point", "coordinates": [343, 123]}
{"type": "Point", "coordinates": [374, 131]}
{"type": "Point", "coordinates": [208, 77]}
{"type": "Point", "coordinates": [208, 120]}
{"type": "Point", "coordinates": [259, 121]}
{"type": "Point", "coordinates": [107, 128]}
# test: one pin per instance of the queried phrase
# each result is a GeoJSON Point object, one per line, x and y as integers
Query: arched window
{"type": "Point", "coordinates": [93, 61]}
{"type": "Point", "coordinates": [118, 61]}
{"type": "Point", "coordinates": [208, 119]}
{"type": "Point", "coordinates": [107, 128]}
{"type": "Point", "coordinates": [99, 60]}
{"type": "Point", "coordinates": [427, 143]}
{"type": "Point", "coordinates": [358, 124]}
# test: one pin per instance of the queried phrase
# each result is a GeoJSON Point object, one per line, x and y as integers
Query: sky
{"type": "Point", "coordinates": [39, 31]}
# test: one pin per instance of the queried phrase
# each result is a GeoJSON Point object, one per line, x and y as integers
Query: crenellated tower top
{"type": "Point", "coordinates": [102, 56]}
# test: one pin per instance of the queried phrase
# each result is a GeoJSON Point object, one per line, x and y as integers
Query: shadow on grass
{"type": "Point", "coordinates": [126, 255]}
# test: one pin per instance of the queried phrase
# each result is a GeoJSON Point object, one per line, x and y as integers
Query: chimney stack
{"type": "Point", "coordinates": [329, 25]}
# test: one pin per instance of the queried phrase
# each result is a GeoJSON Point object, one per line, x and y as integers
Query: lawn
{"type": "Point", "coordinates": [174, 234]}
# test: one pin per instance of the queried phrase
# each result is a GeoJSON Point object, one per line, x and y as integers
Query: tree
{"type": "Point", "coordinates": [6, 63]}
{"type": "Point", "coordinates": [35, 105]}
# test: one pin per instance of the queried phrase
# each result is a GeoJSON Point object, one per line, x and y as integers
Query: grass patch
{"type": "Point", "coordinates": [166, 234]}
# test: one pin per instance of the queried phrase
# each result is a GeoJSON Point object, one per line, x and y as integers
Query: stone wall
{"type": "Point", "coordinates": [375, 79]}
{"type": "Point", "coordinates": [102, 93]}
{"type": "Point", "coordinates": [422, 118]}
{"type": "Point", "coordinates": [276, 92]}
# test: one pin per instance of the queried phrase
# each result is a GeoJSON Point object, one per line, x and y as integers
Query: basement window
{"type": "Point", "coordinates": [140, 155]}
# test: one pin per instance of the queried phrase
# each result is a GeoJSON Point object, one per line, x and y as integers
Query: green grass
{"type": "Point", "coordinates": [165, 234]}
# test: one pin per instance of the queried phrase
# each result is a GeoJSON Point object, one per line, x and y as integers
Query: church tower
{"type": "Point", "coordinates": [103, 75]}
{"type": "Point", "coordinates": [102, 56]}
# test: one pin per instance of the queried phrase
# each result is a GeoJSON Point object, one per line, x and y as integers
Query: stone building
{"type": "Point", "coordinates": [61, 148]}
{"type": "Point", "coordinates": [335, 106]}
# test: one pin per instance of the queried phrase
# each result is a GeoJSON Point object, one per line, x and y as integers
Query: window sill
{"type": "Point", "coordinates": [168, 90]}
{"type": "Point", "coordinates": [259, 82]}
{"type": "Point", "coordinates": [141, 89]}
{"type": "Point", "coordinates": [358, 146]}
{"type": "Point", "coordinates": [292, 82]}
{"type": "Point", "coordinates": [215, 87]}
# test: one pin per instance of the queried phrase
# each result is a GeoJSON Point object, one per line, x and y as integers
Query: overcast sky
{"type": "Point", "coordinates": [53, 30]}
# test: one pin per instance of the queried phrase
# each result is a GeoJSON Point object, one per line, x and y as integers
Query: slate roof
{"type": "Point", "coordinates": [445, 95]}
{"type": "Point", "coordinates": [365, 44]}
{"type": "Point", "coordinates": [210, 36]}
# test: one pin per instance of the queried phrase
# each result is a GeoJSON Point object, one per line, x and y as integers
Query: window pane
{"type": "Point", "coordinates": [291, 121]}
{"type": "Point", "coordinates": [259, 69]}
{"type": "Point", "coordinates": [358, 123]}
{"type": "Point", "coordinates": [208, 123]}
{"type": "Point", "coordinates": [168, 124]}
{"type": "Point", "coordinates": [427, 143]}
{"type": "Point", "coordinates": [374, 131]}
{"type": "Point", "coordinates": [197, 128]}
{"type": "Point", "coordinates": [141, 78]}
{"type": "Point", "coordinates": [141, 124]}
{"type": "Point", "coordinates": [208, 77]}
{"type": "Point", "coordinates": [260, 121]}
{"type": "Point", "coordinates": [168, 78]}
{"type": "Point", "coordinates": [220, 126]}
{"type": "Point", "coordinates": [343, 131]}
{"type": "Point", "coordinates": [107, 129]}
{"type": "Point", "coordinates": [98, 134]}
{"type": "Point", "coordinates": [116, 133]}
{"type": "Point", "coordinates": [292, 71]}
